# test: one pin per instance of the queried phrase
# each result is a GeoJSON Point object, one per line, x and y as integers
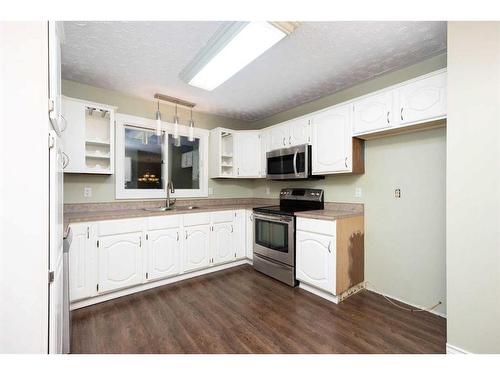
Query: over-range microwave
{"type": "Point", "coordinates": [291, 163]}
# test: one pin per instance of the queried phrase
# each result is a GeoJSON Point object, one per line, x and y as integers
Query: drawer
{"type": "Point", "coordinates": [196, 219]}
{"type": "Point", "coordinates": [164, 222]}
{"type": "Point", "coordinates": [326, 227]}
{"type": "Point", "coordinates": [109, 227]}
{"type": "Point", "coordinates": [223, 217]}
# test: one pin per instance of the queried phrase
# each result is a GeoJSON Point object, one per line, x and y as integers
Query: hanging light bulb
{"type": "Point", "coordinates": [158, 120]}
{"type": "Point", "coordinates": [191, 127]}
{"type": "Point", "coordinates": [176, 124]}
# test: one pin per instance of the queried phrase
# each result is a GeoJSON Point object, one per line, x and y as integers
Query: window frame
{"type": "Point", "coordinates": [122, 120]}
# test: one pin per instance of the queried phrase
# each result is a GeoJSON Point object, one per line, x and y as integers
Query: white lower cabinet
{"type": "Point", "coordinates": [81, 270]}
{"type": "Point", "coordinates": [113, 255]}
{"type": "Point", "coordinates": [316, 260]}
{"type": "Point", "coordinates": [222, 243]}
{"type": "Point", "coordinates": [249, 234]}
{"type": "Point", "coordinates": [120, 260]}
{"type": "Point", "coordinates": [196, 247]}
{"type": "Point", "coordinates": [163, 253]}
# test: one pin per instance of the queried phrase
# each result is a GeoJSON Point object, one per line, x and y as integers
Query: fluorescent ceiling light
{"type": "Point", "coordinates": [231, 49]}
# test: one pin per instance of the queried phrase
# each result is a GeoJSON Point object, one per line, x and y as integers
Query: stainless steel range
{"type": "Point", "coordinates": [274, 232]}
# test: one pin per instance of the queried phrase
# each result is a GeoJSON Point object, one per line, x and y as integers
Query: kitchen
{"type": "Point", "coordinates": [194, 208]}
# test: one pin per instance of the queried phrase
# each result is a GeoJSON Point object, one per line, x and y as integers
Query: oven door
{"type": "Point", "coordinates": [274, 237]}
{"type": "Point", "coordinates": [288, 163]}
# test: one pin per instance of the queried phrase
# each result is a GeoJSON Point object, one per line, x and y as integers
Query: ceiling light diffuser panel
{"type": "Point", "coordinates": [232, 48]}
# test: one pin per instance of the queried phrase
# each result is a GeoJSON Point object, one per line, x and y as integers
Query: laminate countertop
{"type": "Point", "coordinates": [328, 214]}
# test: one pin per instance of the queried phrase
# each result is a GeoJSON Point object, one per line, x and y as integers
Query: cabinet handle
{"type": "Point", "coordinates": [290, 140]}
{"type": "Point", "coordinates": [186, 235]}
{"type": "Point", "coordinates": [140, 241]}
{"type": "Point", "coordinates": [329, 247]}
{"type": "Point", "coordinates": [232, 229]}
{"type": "Point", "coordinates": [401, 113]}
{"type": "Point", "coordinates": [345, 161]}
{"type": "Point", "coordinates": [251, 217]}
{"type": "Point", "coordinates": [238, 171]}
{"type": "Point", "coordinates": [65, 160]}
{"type": "Point", "coordinates": [388, 117]}
{"type": "Point", "coordinates": [177, 236]}
{"type": "Point", "coordinates": [284, 142]}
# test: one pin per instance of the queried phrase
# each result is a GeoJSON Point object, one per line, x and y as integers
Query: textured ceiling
{"type": "Point", "coordinates": [319, 58]}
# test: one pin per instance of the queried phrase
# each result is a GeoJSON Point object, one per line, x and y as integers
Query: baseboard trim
{"type": "Point", "coordinates": [154, 284]}
{"type": "Point", "coordinates": [451, 349]}
{"type": "Point", "coordinates": [319, 292]}
{"type": "Point", "coordinates": [371, 289]}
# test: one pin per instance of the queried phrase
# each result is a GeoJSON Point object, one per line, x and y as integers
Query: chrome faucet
{"type": "Point", "coordinates": [170, 189]}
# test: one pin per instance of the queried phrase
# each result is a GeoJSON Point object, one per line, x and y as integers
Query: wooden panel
{"type": "Point", "coordinates": [358, 156]}
{"type": "Point", "coordinates": [350, 252]}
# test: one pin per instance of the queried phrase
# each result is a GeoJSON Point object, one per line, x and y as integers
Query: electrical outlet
{"type": "Point", "coordinates": [268, 190]}
{"type": "Point", "coordinates": [210, 191]}
{"type": "Point", "coordinates": [358, 192]}
{"type": "Point", "coordinates": [397, 193]}
{"type": "Point", "coordinates": [87, 192]}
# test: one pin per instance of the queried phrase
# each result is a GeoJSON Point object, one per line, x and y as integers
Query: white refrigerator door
{"type": "Point", "coordinates": [56, 287]}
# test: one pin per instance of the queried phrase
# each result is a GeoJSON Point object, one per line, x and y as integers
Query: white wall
{"type": "Point", "coordinates": [23, 188]}
{"type": "Point", "coordinates": [473, 186]}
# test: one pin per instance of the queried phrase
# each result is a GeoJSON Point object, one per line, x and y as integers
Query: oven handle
{"type": "Point", "coordinates": [274, 218]}
{"type": "Point", "coordinates": [295, 162]}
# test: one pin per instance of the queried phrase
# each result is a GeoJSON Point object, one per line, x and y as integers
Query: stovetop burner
{"type": "Point", "coordinates": [295, 200]}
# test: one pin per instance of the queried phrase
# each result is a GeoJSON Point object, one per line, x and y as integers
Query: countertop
{"type": "Point", "coordinates": [78, 213]}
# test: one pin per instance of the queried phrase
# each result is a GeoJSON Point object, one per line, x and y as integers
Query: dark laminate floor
{"type": "Point", "coordinates": [242, 311]}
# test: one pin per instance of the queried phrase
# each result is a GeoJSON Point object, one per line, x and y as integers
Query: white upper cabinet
{"type": "Point", "coordinates": [299, 131]}
{"type": "Point", "coordinates": [247, 154]}
{"type": "Point", "coordinates": [196, 247]}
{"type": "Point", "coordinates": [278, 136]}
{"type": "Point", "coordinates": [120, 261]}
{"type": "Point", "coordinates": [222, 242]}
{"type": "Point", "coordinates": [316, 260]}
{"type": "Point", "coordinates": [374, 112]}
{"type": "Point", "coordinates": [423, 100]}
{"type": "Point", "coordinates": [163, 253]}
{"type": "Point", "coordinates": [332, 141]}
{"type": "Point", "coordinates": [89, 137]}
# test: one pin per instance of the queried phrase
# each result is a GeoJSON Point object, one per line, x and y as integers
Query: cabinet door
{"type": "Point", "coordinates": [332, 141]}
{"type": "Point", "coordinates": [249, 234]}
{"type": "Point", "coordinates": [120, 261]}
{"type": "Point", "coordinates": [316, 260]}
{"type": "Point", "coordinates": [278, 137]}
{"type": "Point", "coordinates": [239, 235]}
{"type": "Point", "coordinates": [222, 242]}
{"type": "Point", "coordinates": [196, 247]}
{"type": "Point", "coordinates": [248, 154]}
{"type": "Point", "coordinates": [299, 132]}
{"type": "Point", "coordinates": [374, 113]}
{"type": "Point", "coordinates": [163, 253]}
{"type": "Point", "coordinates": [81, 280]}
{"type": "Point", "coordinates": [74, 135]}
{"type": "Point", "coordinates": [423, 100]}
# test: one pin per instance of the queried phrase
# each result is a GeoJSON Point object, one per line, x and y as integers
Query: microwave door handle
{"type": "Point", "coordinates": [295, 162]}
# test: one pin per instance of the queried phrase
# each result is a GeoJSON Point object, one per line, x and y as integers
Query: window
{"type": "Point", "coordinates": [146, 162]}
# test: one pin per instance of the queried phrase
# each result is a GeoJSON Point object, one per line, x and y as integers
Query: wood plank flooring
{"type": "Point", "coordinates": [242, 311]}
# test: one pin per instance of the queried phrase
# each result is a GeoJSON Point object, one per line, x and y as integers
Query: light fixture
{"type": "Point", "coordinates": [233, 46]}
{"type": "Point", "coordinates": [158, 119]}
{"type": "Point", "coordinates": [191, 127]}
{"type": "Point", "coordinates": [176, 123]}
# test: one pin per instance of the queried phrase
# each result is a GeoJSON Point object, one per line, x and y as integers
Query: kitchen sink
{"type": "Point", "coordinates": [158, 209]}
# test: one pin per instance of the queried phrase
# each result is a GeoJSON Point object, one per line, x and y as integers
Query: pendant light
{"type": "Point", "coordinates": [158, 119]}
{"type": "Point", "coordinates": [176, 124]}
{"type": "Point", "coordinates": [191, 127]}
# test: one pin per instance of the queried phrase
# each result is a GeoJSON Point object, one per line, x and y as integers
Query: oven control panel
{"type": "Point", "coordinates": [302, 194]}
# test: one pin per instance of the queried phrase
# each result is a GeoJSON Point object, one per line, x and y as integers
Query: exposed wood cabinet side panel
{"type": "Point", "coordinates": [350, 253]}
{"type": "Point", "coordinates": [358, 156]}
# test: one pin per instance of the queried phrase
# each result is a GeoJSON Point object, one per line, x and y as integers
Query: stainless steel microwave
{"type": "Point", "coordinates": [291, 163]}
